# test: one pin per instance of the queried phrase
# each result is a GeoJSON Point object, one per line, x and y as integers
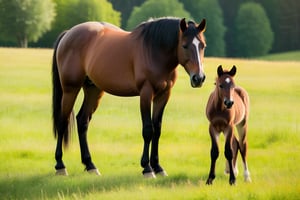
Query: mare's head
{"type": "Point", "coordinates": [191, 50]}
{"type": "Point", "coordinates": [225, 86]}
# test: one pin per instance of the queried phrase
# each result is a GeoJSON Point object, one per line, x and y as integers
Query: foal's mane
{"type": "Point", "coordinates": [159, 35]}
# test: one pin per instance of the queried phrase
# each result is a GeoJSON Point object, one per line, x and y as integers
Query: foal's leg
{"type": "Point", "coordinates": [242, 130]}
{"type": "Point", "coordinates": [146, 95]}
{"type": "Point", "coordinates": [235, 149]}
{"type": "Point", "coordinates": [214, 154]}
{"type": "Point", "coordinates": [91, 98]}
{"type": "Point", "coordinates": [229, 153]}
{"type": "Point", "coordinates": [159, 103]}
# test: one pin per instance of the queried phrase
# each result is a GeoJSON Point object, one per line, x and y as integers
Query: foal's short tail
{"type": "Point", "coordinates": [57, 98]}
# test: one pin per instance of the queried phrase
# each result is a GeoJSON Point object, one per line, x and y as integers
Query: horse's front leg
{"type": "Point", "coordinates": [214, 154]}
{"type": "Point", "coordinates": [229, 154]}
{"type": "Point", "coordinates": [146, 95]}
{"type": "Point", "coordinates": [159, 103]}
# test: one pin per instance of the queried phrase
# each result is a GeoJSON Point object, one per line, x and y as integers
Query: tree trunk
{"type": "Point", "coordinates": [23, 42]}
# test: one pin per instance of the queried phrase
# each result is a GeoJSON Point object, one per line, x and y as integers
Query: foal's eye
{"type": "Point", "coordinates": [221, 86]}
{"type": "Point", "coordinates": [185, 46]}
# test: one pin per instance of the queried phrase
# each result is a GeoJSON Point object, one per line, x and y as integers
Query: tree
{"type": "Point", "coordinates": [230, 9]}
{"type": "Point", "coordinates": [254, 36]}
{"type": "Point", "coordinates": [72, 12]}
{"type": "Point", "coordinates": [285, 19]}
{"type": "Point", "coordinates": [154, 8]}
{"type": "Point", "coordinates": [215, 30]}
{"type": "Point", "coordinates": [97, 10]}
{"type": "Point", "coordinates": [25, 20]}
{"type": "Point", "coordinates": [125, 7]}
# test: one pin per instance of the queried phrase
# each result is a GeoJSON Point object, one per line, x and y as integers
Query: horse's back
{"type": "Point", "coordinates": [82, 35]}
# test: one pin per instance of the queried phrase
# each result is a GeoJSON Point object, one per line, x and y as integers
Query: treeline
{"type": "Point", "coordinates": [236, 28]}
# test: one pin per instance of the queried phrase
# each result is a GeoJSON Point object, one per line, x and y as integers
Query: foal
{"type": "Point", "coordinates": [228, 106]}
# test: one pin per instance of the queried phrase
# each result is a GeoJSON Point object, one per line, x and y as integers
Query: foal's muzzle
{"type": "Point", "coordinates": [228, 103]}
{"type": "Point", "coordinates": [197, 80]}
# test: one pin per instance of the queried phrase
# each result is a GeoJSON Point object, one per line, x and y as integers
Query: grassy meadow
{"type": "Point", "coordinates": [27, 144]}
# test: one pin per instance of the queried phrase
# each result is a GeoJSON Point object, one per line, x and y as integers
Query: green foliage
{"type": "Point", "coordinates": [72, 12]}
{"type": "Point", "coordinates": [215, 30]}
{"type": "Point", "coordinates": [154, 8]}
{"type": "Point", "coordinates": [25, 20]}
{"type": "Point", "coordinates": [125, 7]}
{"type": "Point", "coordinates": [284, 18]}
{"type": "Point", "coordinates": [254, 35]}
{"type": "Point", "coordinates": [97, 10]}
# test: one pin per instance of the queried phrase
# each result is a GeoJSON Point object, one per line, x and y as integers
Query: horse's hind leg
{"type": "Point", "coordinates": [68, 100]}
{"type": "Point", "coordinates": [90, 103]}
{"type": "Point", "coordinates": [243, 146]}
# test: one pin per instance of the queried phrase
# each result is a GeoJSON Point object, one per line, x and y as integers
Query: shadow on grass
{"type": "Point", "coordinates": [51, 186]}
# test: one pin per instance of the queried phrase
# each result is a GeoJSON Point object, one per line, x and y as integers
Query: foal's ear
{"type": "Point", "coordinates": [183, 25]}
{"type": "Point", "coordinates": [220, 71]}
{"type": "Point", "coordinates": [202, 26]}
{"type": "Point", "coordinates": [232, 72]}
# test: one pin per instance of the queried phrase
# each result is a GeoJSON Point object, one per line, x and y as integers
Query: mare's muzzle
{"type": "Point", "coordinates": [197, 80]}
{"type": "Point", "coordinates": [228, 103]}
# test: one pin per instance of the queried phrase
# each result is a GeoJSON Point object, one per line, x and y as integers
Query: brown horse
{"type": "Point", "coordinates": [100, 57]}
{"type": "Point", "coordinates": [227, 107]}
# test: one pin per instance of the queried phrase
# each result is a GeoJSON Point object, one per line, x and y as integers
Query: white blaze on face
{"type": "Point", "coordinates": [227, 80]}
{"type": "Point", "coordinates": [196, 42]}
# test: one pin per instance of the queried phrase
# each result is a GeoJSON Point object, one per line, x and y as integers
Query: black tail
{"type": "Point", "coordinates": [57, 94]}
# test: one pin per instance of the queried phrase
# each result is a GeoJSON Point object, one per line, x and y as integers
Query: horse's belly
{"type": "Point", "coordinates": [125, 91]}
{"type": "Point", "coordinates": [116, 82]}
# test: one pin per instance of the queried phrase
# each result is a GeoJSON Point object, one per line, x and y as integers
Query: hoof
{"type": "Point", "coordinates": [232, 182]}
{"type": "Point", "coordinates": [61, 172]}
{"type": "Point", "coordinates": [209, 181]}
{"type": "Point", "coordinates": [94, 172]}
{"type": "Point", "coordinates": [247, 179]}
{"type": "Point", "coordinates": [247, 176]}
{"type": "Point", "coordinates": [162, 173]}
{"type": "Point", "coordinates": [149, 175]}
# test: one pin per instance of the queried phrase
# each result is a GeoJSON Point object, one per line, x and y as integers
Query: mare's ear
{"type": "Point", "coordinates": [183, 25]}
{"type": "Point", "coordinates": [202, 26]}
{"type": "Point", "coordinates": [220, 71]}
{"type": "Point", "coordinates": [232, 72]}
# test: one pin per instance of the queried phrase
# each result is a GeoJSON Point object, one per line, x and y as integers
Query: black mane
{"type": "Point", "coordinates": [160, 35]}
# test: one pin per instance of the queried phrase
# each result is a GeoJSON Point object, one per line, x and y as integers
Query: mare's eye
{"type": "Point", "coordinates": [221, 86]}
{"type": "Point", "coordinates": [185, 46]}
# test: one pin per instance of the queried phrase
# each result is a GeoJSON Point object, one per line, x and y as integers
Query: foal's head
{"type": "Point", "coordinates": [191, 50]}
{"type": "Point", "coordinates": [225, 85]}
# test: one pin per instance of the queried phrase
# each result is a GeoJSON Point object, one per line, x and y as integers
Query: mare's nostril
{"type": "Point", "coordinates": [203, 78]}
{"type": "Point", "coordinates": [196, 79]}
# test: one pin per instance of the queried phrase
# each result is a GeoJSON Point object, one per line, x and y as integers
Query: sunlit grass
{"type": "Point", "coordinates": [27, 144]}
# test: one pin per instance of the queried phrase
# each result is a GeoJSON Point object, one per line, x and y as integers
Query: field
{"type": "Point", "coordinates": [27, 144]}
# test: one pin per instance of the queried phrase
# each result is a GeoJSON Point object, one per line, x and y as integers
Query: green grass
{"type": "Point", "coordinates": [286, 56]}
{"type": "Point", "coordinates": [27, 144]}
